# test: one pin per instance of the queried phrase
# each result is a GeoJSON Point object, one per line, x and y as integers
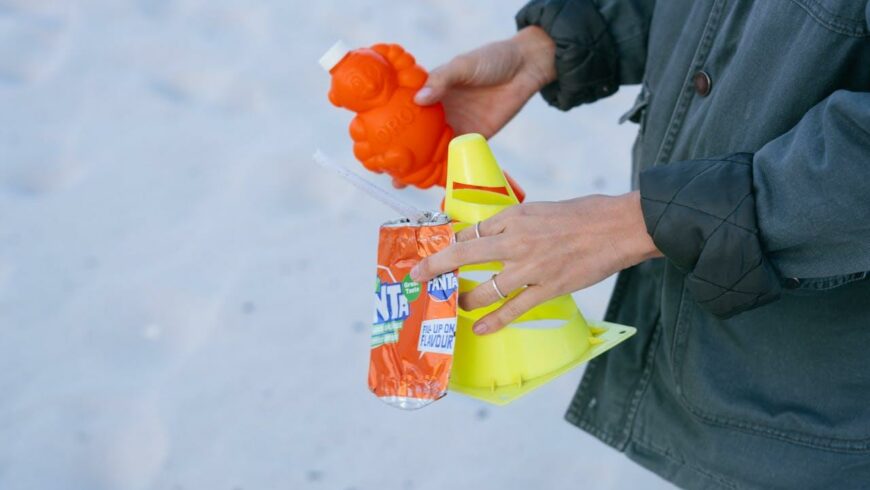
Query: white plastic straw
{"type": "Point", "coordinates": [407, 210]}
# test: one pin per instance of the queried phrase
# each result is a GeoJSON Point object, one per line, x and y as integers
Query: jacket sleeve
{"type": "Point", "coordinates": [600, 45]}
{"type": "Point", "coordinates": [797, 209]}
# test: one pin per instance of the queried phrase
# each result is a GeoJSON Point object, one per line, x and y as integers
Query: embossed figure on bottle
{"type": "Point", "coordinates": [391, 133]}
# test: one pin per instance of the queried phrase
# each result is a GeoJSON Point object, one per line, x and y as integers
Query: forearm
{"type": "Point", "coordinates": [701, 215]}
{"type": "Point", "coordinates": [585, 58]}
{"type": "Point", "coordinates": [599, 45]}
{"type": "Point", "coordinates": [538, 52]}
{"type": "Point", "coordinates": [637, 243]}
{"type": "Point", "coordinates": [743, 225]}
{"type": "Point", "coordinates": [628, 22]}
{"type": "Point", "coordinates": [810, 184]}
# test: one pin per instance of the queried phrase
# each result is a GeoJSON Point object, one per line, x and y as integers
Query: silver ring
{"type": "Point", "coordinates": [477, 229]}
{"type": "Point", "coordinates": [495, 286]}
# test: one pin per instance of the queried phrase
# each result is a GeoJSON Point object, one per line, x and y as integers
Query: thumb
{"type": "Point", "coordinates": [441, 79]}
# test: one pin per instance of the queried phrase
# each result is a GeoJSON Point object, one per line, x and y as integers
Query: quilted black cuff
{"type": "Point", "coordinates": [701, 216]}
{"type": "Point", "coordinates": [587, 60]}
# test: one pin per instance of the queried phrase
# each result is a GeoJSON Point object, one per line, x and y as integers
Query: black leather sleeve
{"type": "Point", "coordinates": [701, 216]}
{"type": "Point", "coordinates": [587, 59]}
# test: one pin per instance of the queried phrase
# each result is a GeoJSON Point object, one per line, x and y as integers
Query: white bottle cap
{"type": "Point", "coordinates": [334, 55]}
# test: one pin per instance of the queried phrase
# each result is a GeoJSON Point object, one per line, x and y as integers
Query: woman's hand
{"type": "Point", "coordinates": [548, 249]}
{"type": "Point", "coordinates": [483, 89]}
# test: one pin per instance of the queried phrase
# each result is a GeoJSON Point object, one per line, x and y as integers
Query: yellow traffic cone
{"type": "Point", "coordinates": [542, 344]}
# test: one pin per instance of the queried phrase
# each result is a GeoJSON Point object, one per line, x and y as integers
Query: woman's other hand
{"type": "Point", "coordinates": [484, 89]}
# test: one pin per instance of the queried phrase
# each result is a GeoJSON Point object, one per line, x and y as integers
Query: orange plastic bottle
{"type": "Point", "coordinates": [390, 132]}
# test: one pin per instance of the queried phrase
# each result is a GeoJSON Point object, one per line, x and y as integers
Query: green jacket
{"type": "Point", "coordinates": [751, 366]}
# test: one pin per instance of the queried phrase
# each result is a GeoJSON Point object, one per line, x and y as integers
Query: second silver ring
{"type": "Point", "coordinates": [495, 286]}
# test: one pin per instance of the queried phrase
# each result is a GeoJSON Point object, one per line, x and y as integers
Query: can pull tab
{"type": "Point", "coordinates": [409, 211]}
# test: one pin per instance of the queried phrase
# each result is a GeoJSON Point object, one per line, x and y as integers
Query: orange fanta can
{"type": "Point", "coordinates": [414, 324]}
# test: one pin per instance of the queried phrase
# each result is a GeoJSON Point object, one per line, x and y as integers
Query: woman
{"type": "Point", "coordinates": [751, 168]}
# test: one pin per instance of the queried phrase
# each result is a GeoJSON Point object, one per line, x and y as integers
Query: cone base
{"type": "Point", "coordinates": [611, 335]}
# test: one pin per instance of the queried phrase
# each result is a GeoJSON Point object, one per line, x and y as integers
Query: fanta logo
{"type": "Point", "coordinates": [443, 286]}
{"type": "Point", "coordinates": [390, 304]}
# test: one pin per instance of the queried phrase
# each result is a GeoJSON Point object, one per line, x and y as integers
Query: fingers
{"type": "Point", "coordinates": [485, 294]}
{"type": "Point", "coordinates": [451, 258]}
{"type": "Point", "coordinates": [511, 310]}
{"type": "Point", "coordinates": [442, 78]}
{"type": "Point", "coordinates": [487, 228]}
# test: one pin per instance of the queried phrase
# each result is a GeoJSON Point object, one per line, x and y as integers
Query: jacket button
{"type": "Point", "coordinates": [792, 283]}
{"type": "Point", "coordinates": [702, 83]}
